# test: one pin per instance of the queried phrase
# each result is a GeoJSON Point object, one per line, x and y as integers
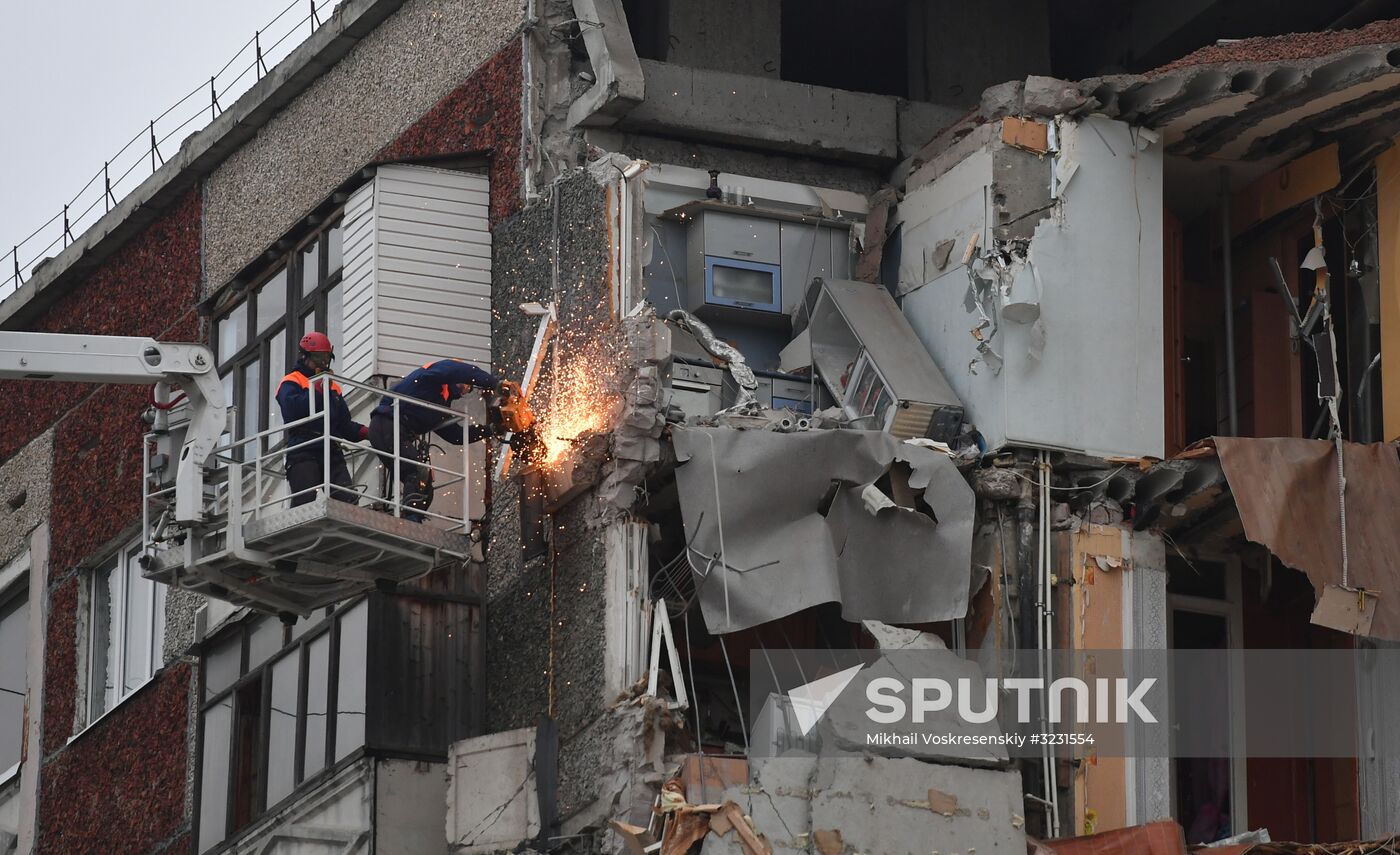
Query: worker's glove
{"type": "Point", "coordinates": [495, 426]}
{"type": "Point", "coordinates": [364, 432]}
{"type": "Point", "coordinates": [509, 389]}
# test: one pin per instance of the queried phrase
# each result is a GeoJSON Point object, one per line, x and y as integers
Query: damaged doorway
{"type": "Point", "coordinates": [1208, 792]}
{"type": "Point", "coordinates": [1276, 377]}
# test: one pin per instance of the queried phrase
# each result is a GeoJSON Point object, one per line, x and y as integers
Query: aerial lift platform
{"type": "Point", "coordinates": [218, 519]}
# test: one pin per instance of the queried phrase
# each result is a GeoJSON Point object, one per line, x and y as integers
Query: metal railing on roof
{"type": "Point", "coordinates": [142, 155]}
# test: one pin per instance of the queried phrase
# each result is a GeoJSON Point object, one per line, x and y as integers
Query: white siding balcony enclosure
{"type": "Point", "coordinates": [417, 272]}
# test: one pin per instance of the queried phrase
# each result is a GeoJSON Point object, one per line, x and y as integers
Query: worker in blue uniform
{"type": "Point", "coordinates": [306, 453]}
{"type": "Point", "coordinates": [440, 383]}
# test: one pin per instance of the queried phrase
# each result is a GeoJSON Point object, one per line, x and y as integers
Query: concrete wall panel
{"type": "Point", "coordinates": [718, 106]}
{"type": "Point", "coordinates": [404, 67]}
{"type": "Point", "coordinates": [518, 597]}
{"type": "Point", "coordinates": [727, 35]}
{"type": "Point", "coordinates": [1094, 266]}
{"type": "Point", "coordinates": [408, 801]}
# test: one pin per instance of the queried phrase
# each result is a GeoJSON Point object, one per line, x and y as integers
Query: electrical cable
{"type": "Point", "coordinates": [1076, 489]}
{"type": "Point", "coordinates": [694, 694]}
{"type": "Point", "coordinates": [738, 703]}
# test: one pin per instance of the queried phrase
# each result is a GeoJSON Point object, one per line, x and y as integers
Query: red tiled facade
{"type": "Point", "coordinates": [120, 786]}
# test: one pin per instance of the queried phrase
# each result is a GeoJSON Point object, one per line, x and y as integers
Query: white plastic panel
{"type": "Point", "coordinates": [417, 271]}
{"type": "Point", "coordinates": [357, 352]}
{"type": "Point", "coordinates": [433, 267]}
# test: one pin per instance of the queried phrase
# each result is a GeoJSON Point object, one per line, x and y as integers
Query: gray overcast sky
{"type": "Point", "coordinates": [79, 78]}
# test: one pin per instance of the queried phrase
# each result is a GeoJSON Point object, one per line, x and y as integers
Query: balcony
{"type": "Point", "coordinates": [254, 548]}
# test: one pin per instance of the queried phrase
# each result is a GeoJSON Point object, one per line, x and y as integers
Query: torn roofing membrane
{"type": "Point", "coordinates": [779, 522]}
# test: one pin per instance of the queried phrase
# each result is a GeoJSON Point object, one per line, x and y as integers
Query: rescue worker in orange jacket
{"type": "Point", "coordinates": [306, 453]}
{"type": "Point", "coordinates": [439, 383]}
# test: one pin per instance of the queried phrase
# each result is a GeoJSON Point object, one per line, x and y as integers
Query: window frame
{"type": "Point", "coordinates": [122, 559]}
{"type": "Point", "coordinates": [14, 587]}
{"type": "Point", "coordinates": [328, 624]}
{"type": "Point", "coordinates": [258, 346]}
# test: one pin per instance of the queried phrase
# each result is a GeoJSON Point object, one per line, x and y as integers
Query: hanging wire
{"type": "Point", "coordinates": [738, 703]}
{"type": "Point", "coordinates": [695, 703]}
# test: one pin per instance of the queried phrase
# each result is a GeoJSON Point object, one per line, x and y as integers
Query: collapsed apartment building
{"type": "Point", "coordinates": [828, 355]}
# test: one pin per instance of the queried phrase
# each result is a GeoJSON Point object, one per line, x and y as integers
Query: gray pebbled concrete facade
{"type": "Point", "coordinates": [400, 70]}
{"type": "Point", "coordinates": [24, 494]}
{"type": "Point", "coordinates": [518, 611]}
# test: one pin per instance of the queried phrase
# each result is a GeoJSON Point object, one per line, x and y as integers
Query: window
{"type": "Point", "coordinates": [14, 642]}
{"type": "Point", "coordinates": [280, 705]}
{"type": "Point", "coordinates": [126, 629]}
{"type": "Point", "coordinates": [256, 338]}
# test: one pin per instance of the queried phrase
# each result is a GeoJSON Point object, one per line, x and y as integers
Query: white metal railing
{"type": "Point", "coordinates": [248, 475]}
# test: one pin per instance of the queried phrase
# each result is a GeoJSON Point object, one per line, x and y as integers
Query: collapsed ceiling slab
{"type": "Point", "coordinates": [779, 522]}
{"type": "Point", "coordinates": [1255, 101]}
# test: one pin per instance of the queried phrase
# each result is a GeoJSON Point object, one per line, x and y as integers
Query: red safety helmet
{"type": "Point", "coordinates": [316, 342]}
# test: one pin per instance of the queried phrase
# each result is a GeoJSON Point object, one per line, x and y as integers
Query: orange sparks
{"type": "Point", "coordinates": [582, 404]}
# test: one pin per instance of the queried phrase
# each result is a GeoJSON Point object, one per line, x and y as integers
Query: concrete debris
{"type": "Point", "coordinates": [1224, 101]}
{"type": "Point", "coordinates": [876, 806]}
{"type": "Point", "coordinates": [876, 232]}
{"type": "Point", "coordinates": [636, 838]}
{"type": "Point", "coordinates": [1003, 99]}
{"type": "Point", "coordinates": [706, 776]}
{"type": "Point", "coordinates": [1103, 511]}
{"type": "Point", "coordinates": [1383, 846]}
{"type": "Point", "coordinates": [577, 471]}
{"type": "Point", "coordinates": [846, 729]}
{"type": "Point", "coordinates": [778, 801]}
{"type": "Point", "coordinates": [996, 483]}
{"type": "Point", "coordinates": [1049, 96]}
{"type": "Point", "coordinates": [1258, 835]}
{"type": "Point", "coordinates": [636, 439]}
{"type": "Point", "coordinates": [885, 806]}
{"type": "Point", "coordinates": [632, 769]}
{"type": "Point", "coordinates": [898, 638]}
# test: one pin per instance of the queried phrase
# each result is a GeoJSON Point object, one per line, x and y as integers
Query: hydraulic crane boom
{"type": "Point", "coordinates": [133, 360]}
